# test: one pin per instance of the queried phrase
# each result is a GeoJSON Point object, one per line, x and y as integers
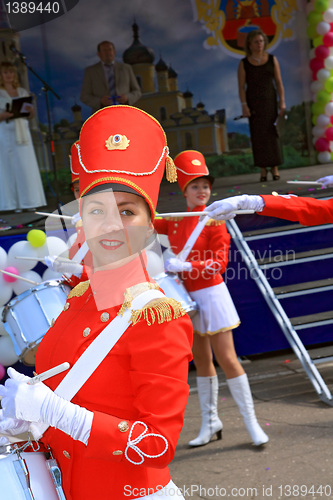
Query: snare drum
{"type": "Point", "coordinates": [28, 316]}
{"type": "Point", "coordinates": [173, 287]}
{"type": "Point", "coordinates": [29, 476]}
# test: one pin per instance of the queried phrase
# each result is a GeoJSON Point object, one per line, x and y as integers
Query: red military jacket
{"type": "Point", "coordinates": [139, 391]}
{"type": "Point", "coordinates": [308, 211]}
{"type": "Point", "coordinates": [209, 255]}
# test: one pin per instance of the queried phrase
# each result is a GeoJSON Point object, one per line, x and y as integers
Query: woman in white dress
{"type": "Point", "coordinates": [20, 181]}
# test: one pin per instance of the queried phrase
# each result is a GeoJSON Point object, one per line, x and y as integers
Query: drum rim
{"type": "Point", "coordinates": [34, 288]}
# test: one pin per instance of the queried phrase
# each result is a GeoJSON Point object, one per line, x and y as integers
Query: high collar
{"type": "Point", "coordinates": [199, 208]}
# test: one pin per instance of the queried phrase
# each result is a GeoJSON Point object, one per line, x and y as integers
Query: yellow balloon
{"type": "Point", "coordinates": [36, 237]}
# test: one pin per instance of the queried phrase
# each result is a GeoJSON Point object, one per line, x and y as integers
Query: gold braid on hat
{"type": "Point", "coordinates": [170, 169]}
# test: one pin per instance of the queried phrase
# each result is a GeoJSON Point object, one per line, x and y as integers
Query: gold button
{"type": "Point", "coordinates": [105, 317]}
{"type": "Point", "coordinates": [176, 224]}
{"type": "Point", "coordinates": [117, 452]}
{"type": "Point", "coordinates": [86, 332]}
{"type": "Point", "coordinates": [67, 455]}
{"type": "Point", "coordinates": [174, 232]}
{"type": "Point", "coordinates": [52, 322]}
{"type": "Point", "coordinates": [66, 306]}
{"type": "Point", "coordinates": [123, 426]}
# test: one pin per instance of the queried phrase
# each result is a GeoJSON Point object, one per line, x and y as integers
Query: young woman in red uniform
{"type": "Point", "coordinates": [118, 434]}
{"type": "Point", "coordinates": [202, 276]}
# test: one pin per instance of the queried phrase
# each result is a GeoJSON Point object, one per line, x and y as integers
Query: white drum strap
{"type": "Point", "coordinates": [81, 253]}
{"type": "Point", "coordinates": [183, 254]}
{"type": "Point", "coordinates": [100, 347]}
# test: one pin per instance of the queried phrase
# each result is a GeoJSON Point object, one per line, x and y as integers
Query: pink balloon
{"type": "Point", "coordinates": [316, 64]}
{"type": "Point", "coordinates": [328, 39]}
{"type": "Point", "coordinates": [322, 144]}
{"type": "Point", "coordinates": [10, 269]}
{"type": "Point", "coordinates": [2, 372]}
{"type": "Point", "coordinates": [322, 52]}
{"type": "Point", "coordinates": [329, 134]}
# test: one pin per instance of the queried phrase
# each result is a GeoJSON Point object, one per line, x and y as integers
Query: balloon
{"type": "Point", "coordinates": [71, 239]}
{"type": "Point", "coordinates": [329, 84]}
{"type": "Point", "coordinates": [329, 134]}
{"type": "Point", "coordinates": [3, 330]}
{"type": "Point", "coordinates": [10, 279]}
{"type": "Point", "coordinates": [324, 157]}
{"type": "Point", "coordinates": [329, 109]}
{"type": "Point", "coordinates": [3, 258]}
{"type": "Point", "coordinates": [328, 62]}
{"type": "Point", "coordinates": [328, 39]}
{"type": "Point", "coordinates": [155, 264]}
{"type": "Point", "coordinates": [321, 5]}
{"type": "Point", "coordinates": [8, 355]}
{"type": "Point", "coordinates": [36, 237]}
{"type": "Point", "coordinates": [316, 64]}
{"type": "Point", "coordinates": [316, 86]}
{"type": "Point", "coordinates": [54, 246]}
{"type": "Point", "coordinates": [50, 275]}
{"type": "Point", "coordinates": [328, 16]}
{"type": "Point", "coordinates": [323, 28]}
{"type": "Point", "coordinates": [318, 131]}
{"type": "Point", "coordinates": [6, 291]}
{"type": "Point", "coordinates": [323, 121]}
{"type": "Point", "coordinates": [22, 249]}
{"type": "Point", "coordinates": [318, 40]}
{"type": "Point", "coordinates": [323, 96]}
{"type": "Point", "coordinates": [21, 286]}
{"type": "Point", "coordinates": [323, 74]}
{"type": "Point", "coordinates": [314, 18]}
{"type": "Point", "coordinates": [321, 52]}
{"type": "Point", "coordinates": [322, 144]}
{"type": "Point", "coordinates": [2, 372]}
{"type": "Point", "coordinates": [318, 108]}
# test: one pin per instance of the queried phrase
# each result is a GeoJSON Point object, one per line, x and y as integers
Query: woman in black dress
{"type": "Point", "coordinates": [259, 83]}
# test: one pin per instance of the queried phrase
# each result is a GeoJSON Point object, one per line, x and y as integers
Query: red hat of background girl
{"type": "Point", "coordinates": [74, 162]}
{"type": "Point", "coordinates": [123, 145]}
{"type": "Point", "coordinates": [191, 165]}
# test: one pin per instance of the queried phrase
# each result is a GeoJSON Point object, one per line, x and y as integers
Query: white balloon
{"type": "Point", "coordinates": [323, 75]}
{"type": "Point", "coordinates": [155, 264]}
{"type": "Point", "coordinates": [324, 157]}
{"type": "Point", "coordinates": [56, 246]}
{"type": "Point", "coordinates": [318, 131]}
{"type": "Point", "coordinates": [50, 275]}
{"type": "Point", "coordinates": [328, 16]}
{"type": "Point", "coordinates": [71, 239]}
{"type": "Point", "coordinates": [323, 121]}
{"type": "Point", "coordinates": [21, 286]}
{"type": "Point", "coordinates": [168, 254]}
{"type": "Point", "coordinates": [22, 249]}
{"type": "Point", "coordinates": [3, 330]}
{"type": "Point", "coordinates": [8, 355]}
{"type": "Point", "coordinates": [329, 109]}
{"type": "Point", "coordinates": [316, 86]}
{"type": "Point", "coordinates": [6, 291]}
{"type": "Point", "coordinates": [328, 62]}
{"type": "Point", "coordinates": [322, 28]}
{"type": "Point", "coordinates": [3, 258]}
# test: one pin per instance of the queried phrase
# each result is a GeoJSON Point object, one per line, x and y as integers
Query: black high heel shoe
{"type": "Point", "coordinates": [276, 177]}
{"type": "Point", "coordinates": [263, 178]}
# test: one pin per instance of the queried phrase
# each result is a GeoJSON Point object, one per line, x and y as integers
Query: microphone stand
{"type": "Point", "coordinates": [49, 138]}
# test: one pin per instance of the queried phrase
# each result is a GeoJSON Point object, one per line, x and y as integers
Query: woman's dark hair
{"type": "Point", "coordinates": [251, 35]}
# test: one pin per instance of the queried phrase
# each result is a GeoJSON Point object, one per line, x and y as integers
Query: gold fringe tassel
{"type": "Point", "coordinates": [79, 289]}
{"type": "Point", "coordinates": [170, 170]}
{"type": "Point", "coordinates": [161, 310]}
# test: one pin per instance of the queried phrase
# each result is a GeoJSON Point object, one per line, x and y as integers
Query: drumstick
{"type": "Point", "coordinates": [314, 183]}
{"type": "Point", "coordinates": [29, 258]}
{"type": "Point", "coordinates": [19, 277]}
{"type": "Point", "coordinates": [49, 373]}
{"type": "Point", "coordinates": [196, 214]}
{"type": "Point", "coordinates": [58, 216]}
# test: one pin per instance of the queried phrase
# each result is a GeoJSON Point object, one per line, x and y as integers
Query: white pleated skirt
{"type": "Point", "coordinates": [169, 491]}
{"type": "Point", "coordinates": [217, 312]}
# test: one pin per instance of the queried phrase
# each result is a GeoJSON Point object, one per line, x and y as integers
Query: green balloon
{"type": "Point", "coordinates": [329, 86]}
{"type": "Point", "coordinates": [318, 108]}
{"type": "Point", "coordinates": [311, 31]}
{"type": "Point", "coordinates": [321, 5]}
{"type": "Point", "coordinates": [318, 41]}
{"type": "Point", "coordinates": [323, 96]}
{"type": "Point", "coordinates": [314, 18]}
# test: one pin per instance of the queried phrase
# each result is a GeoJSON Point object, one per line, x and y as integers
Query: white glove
{"type": "Point", "coordinates": [225, 209]}
{"type": "Point", "coordinates": [326, 182]}
{"type": "Point", "coordinates": [67, 267]}
{"type": "Point", "coordinates": [38, 403]}
{"type": "Point", "coordinates": [175, 265]}
{"type": "Point", "coordinates": [76, 218]}
{"type": "Point", "coordinates": [12, 426]}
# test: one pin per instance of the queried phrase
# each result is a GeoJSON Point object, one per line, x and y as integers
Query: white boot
{"type": "Point", "coordinates": [241, 392]}
{"type": "Point", "coordinates": [210, 424]}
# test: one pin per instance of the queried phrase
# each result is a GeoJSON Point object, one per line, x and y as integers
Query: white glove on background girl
{"type": "Point", "coordinates": [63, 267]}
{"type": "Point", "coordinates": [224, 209]}
{"type": "Point", "coordinates": [326, 182]}
{"type": "Point", "coordinates": [38, 403]}
{"type": "Point", "coordinates": [175, 265]}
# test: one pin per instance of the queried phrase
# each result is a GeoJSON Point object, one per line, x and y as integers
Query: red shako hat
{"type": "Point", "coordinates": [123, 145]}
{"type": "Point", "coordinates": [191, 165]}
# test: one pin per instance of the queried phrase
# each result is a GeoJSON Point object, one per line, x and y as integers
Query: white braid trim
{"type": "Point", "coordinates": [212, 267]}
{"type": "Point", "coordinates": [143, 435]}
{"type": "Point", "coordinates": [165, 152]}
{"type": "Point", "coordinates": [70, 163]}
{"type": "Point", "coordinates": [192, 173]}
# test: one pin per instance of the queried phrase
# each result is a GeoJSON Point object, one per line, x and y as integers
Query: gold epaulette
{"type": "Point", "coordinates": [79, 289]}
{"type": "Point", "coordinates": [212, 222]}
{"type": "Point", "coordinates": [163, 310]}
{"type": "Point", "coordinates": [174, 219]}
